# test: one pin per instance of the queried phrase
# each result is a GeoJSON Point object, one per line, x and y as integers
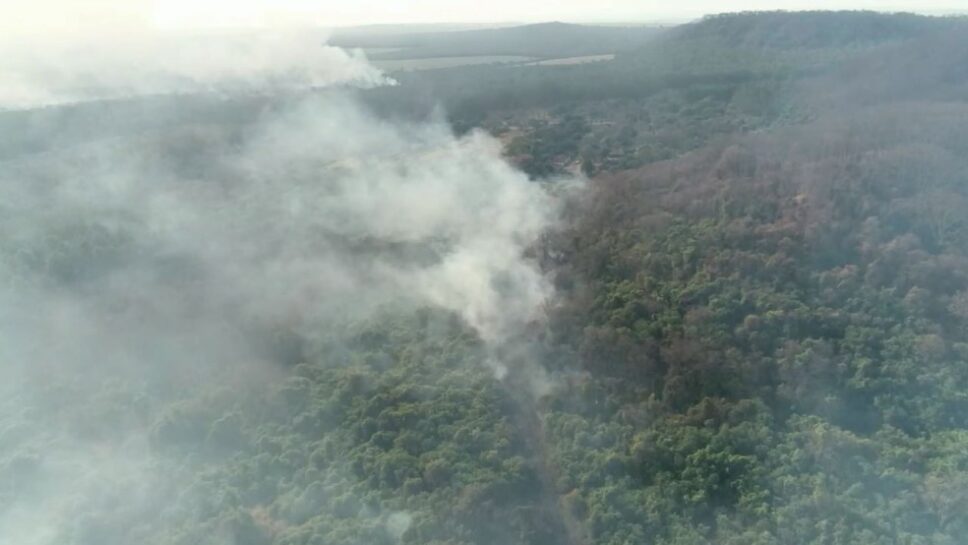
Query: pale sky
{"type": "Point", "coordinates": [39, 17]}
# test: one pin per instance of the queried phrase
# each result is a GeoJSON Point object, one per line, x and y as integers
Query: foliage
{"type": "Point", "coordinates": [760, 335]}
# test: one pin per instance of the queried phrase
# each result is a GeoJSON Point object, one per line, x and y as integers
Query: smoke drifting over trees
{"type": "Point", "coordinates": [159, 267]}
{"type": "Point", "coordinates": [38, 73]}
{"type": "Point", "coordinates": [254, 291]}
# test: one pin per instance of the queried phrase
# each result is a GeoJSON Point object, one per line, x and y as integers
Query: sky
{"type": "Point", "coordinates": [37, 18]}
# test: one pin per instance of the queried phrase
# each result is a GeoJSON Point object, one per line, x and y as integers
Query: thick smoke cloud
{"type": "Point", "coordinates": [167, 260]}
{"type": "Point", "coordinates": [130, 64]}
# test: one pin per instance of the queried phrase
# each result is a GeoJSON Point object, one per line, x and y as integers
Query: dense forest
{"type": "Point", "coordinates": [758, 331]}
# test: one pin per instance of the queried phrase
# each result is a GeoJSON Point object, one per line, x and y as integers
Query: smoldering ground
{"type": "Point", "coordinates": [143, 269]}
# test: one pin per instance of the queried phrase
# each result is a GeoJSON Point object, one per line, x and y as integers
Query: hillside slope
{"type": "Point", "coordinates": [758, 334]}
{"type": "Point", "coordinates": [772, 327]}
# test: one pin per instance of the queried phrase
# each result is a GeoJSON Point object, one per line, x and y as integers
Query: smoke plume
{"type": "Point", "coordinates": [164, 262]}
{"type": "Point", "coordinates": [82, 69]}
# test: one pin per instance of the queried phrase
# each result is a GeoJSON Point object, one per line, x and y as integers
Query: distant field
{"type": "Point", "coordinates": [573, 60]}
{"type": "Point", "coordinates": [394, 65]}
{"type": "Point", "coordinates": [447, 62]}
{"type": "Point", "coordinates": [375, 51]}
{"type": "Point", "coordinates": [539, 41]}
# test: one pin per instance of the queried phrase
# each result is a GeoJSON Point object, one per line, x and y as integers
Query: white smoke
{"type": "Point", "coordinates": [80, 69]}
{"type": "Point", "coordinates": [159, 259]}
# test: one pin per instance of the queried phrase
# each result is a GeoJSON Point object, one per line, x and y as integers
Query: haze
{"type": "Point", "coordinates": [546, 273]}
{"type": "Point", "coordinates": [49, 16]}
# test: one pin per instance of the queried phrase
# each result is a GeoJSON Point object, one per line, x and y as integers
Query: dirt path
{"type": "Point", "coordinates": [528, 420]}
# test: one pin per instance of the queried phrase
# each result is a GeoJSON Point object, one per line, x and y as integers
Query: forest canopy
{"type": "Point", "coordinates": [713, 290]}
